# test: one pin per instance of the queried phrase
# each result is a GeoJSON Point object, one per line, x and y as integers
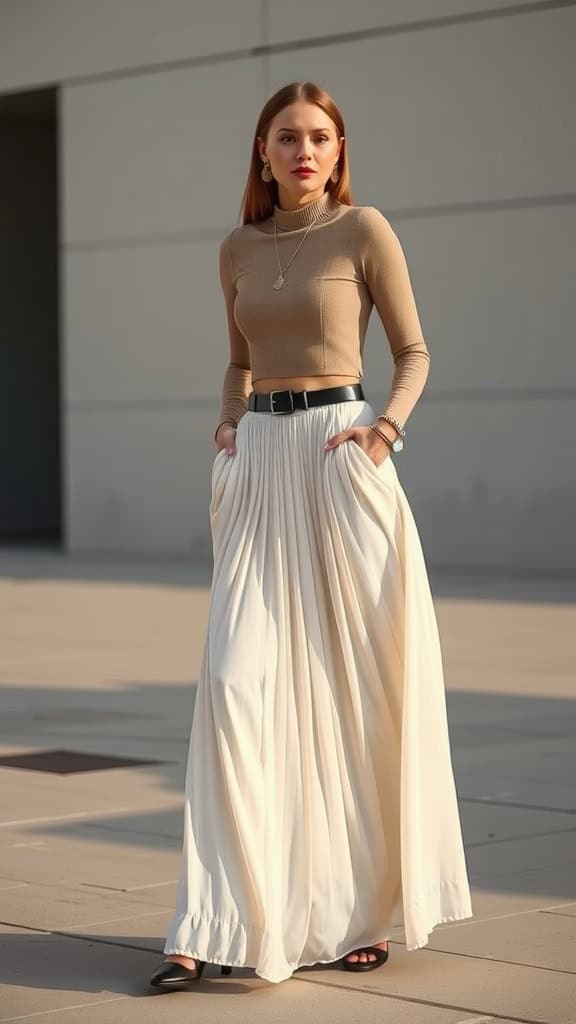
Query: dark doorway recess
{"type": "Point", "coordinates": [30, 428]}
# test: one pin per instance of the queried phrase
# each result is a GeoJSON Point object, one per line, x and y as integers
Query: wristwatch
{"type": "Point", "coordinates": [396, 445]}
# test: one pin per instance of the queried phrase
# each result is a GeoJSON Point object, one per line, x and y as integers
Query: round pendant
{"type": "Point", "coordinates": [279, 282]}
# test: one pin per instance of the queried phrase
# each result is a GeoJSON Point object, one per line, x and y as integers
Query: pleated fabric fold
{"type": "Point", "coordinates": [320, 805]}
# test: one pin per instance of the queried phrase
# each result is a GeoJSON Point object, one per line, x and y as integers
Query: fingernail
{"type": "Point", "coordinates": [327, 445]}
{"type": "Point", "coordinates": [230, 451]}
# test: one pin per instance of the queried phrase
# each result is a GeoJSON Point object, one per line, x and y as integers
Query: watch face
{"type": "Point", "coordinates": [397, 445]}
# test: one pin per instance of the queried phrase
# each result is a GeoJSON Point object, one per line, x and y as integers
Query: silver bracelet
{"type": "Point", "coordinates": [382, 435]}
{"type": "Point", "coordinates": [397, 426]}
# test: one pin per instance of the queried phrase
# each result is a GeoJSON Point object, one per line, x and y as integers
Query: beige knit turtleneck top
{"type": "Point", "coordinates": [350, 261]}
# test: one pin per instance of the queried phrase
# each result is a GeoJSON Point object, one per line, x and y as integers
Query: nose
{"type": "Point", "coordinates": [304, 151]}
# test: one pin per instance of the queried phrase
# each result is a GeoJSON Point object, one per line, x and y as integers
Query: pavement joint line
{"type": "Point", "coordinates": [509, 839]}
{"type": "Point", "coordinates": [557, 913]}
{"type": "Point", "coordinates": [32, 842]}
{"type": "Point", "coordinates": [103, 888]}
{"type": "Point", "coordinates": [504, 777]}
{"type": "Point", "coordinates": [116, 920]}
{"type": "Point", "coordinates": [132, 888]}
{"type": "Point", "coordinates": [101, 941]}
{"type": "Point", "coordinates": [88, 924]}
{"type": "Point", "coordinates": [499, 960]}
{"type": "Point", "coordinates": [64, 1009]}
{"type": "Point", "coordinates": [475, 1020]}
{"type": "Point", "coordinates": [68, 817]}
{"type": "Point", "coordinates": [72, 935]}
{"type": "Point", "coordinates": [509, 803]}
{"type": "Point", "coordinates": [514, 779]}
{"type": "Point", "coordinates": [165, 835]}
{"type": "Point", "coordinates": [559, 906]}
{"type": "Point", "coordinates": [507, 729]}
{"type": "Point", "coordinates": [102, 736]}
{"type": "Point", "coordinates": [150, 885]}
{"type": "Point", "coordinates": [471, 922]}
{"type": "Point", "coordinates": [22, 882]}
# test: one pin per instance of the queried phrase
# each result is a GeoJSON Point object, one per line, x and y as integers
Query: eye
{"type": "Point", "coordinates": [321, 138]}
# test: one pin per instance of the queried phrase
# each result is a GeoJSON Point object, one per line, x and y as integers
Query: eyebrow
{"type": "Point", "coordinates": [295, 131]}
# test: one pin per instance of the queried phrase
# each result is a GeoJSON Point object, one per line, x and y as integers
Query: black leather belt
{"type": "Point", "coordinates": [288, 400]}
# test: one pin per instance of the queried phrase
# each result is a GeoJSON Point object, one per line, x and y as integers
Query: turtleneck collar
{"type": "Point", "coordinates": [318, 210]}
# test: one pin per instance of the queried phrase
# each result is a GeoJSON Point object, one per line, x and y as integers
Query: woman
{"type": "Point", "coordinates": [320, 799]}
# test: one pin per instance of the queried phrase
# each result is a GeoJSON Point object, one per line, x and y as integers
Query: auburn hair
{"type": "Point", "coordinates": [260, 196]}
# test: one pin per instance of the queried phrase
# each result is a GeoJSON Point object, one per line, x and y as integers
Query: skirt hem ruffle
{"type": "Point", "coordinates": [218, 961]}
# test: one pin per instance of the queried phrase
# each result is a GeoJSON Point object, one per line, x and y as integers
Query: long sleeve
{"type": "Point", "coordinates": [387, 277]}
{"type": "Point", "coordinates": [237, 383]}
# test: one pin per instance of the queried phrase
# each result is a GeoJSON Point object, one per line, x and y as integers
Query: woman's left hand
{"type": "Point", "coordinates": [375, 448]}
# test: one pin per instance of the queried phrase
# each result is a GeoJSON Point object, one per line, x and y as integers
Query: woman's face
{"type": "Point", "coordinates": [301, 135]}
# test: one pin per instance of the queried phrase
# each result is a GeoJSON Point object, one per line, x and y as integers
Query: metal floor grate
{"type": "Point", "coordinates": [68, 762]}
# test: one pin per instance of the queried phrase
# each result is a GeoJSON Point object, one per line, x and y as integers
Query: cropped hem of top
{"type": "Point", "coordinates": [350, 261]}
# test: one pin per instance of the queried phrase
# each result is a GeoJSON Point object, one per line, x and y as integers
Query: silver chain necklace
{"type": "Point", "coordinates": [281, 272]}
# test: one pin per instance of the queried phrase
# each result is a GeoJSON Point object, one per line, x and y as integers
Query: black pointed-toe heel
{"type": "Point", "coordinates": [173, 976]}
{"type": "Point", "coordinates": [366, 965]}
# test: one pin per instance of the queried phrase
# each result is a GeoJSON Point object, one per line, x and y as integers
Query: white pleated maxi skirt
{"type": "Point", "coordinates": [320, 805]}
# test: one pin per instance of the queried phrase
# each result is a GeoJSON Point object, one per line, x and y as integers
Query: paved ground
{"type": "Point", "coordinates": [100, 656]}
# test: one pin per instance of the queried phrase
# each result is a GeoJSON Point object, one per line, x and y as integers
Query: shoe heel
{"type": "Point", "coordinates": [226, 969]}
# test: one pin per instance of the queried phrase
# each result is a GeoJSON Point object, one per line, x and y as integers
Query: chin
{"type": "Point", "coordinates": [307, 184]}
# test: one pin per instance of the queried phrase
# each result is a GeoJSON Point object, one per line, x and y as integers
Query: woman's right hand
{"type": "Point", "coordinates": [226, 438]}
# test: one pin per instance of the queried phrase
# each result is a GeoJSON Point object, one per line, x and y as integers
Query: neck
{"type": "Point", "coordinates": [317, 210]}
{"type": "Point", "coordinates": [290, 202]}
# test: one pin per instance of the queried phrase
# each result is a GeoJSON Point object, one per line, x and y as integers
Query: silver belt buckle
{"type": "Point", "coordinates": [279, 391]}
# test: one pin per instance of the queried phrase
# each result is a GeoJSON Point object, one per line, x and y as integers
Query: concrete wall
{"type": "Point", "coordinates": [460, 129]}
